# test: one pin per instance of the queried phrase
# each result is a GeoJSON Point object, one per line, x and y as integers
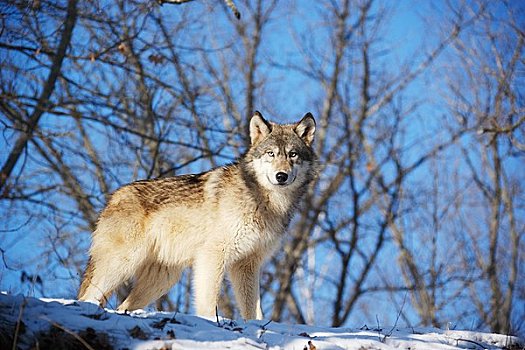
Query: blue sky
{"type": "Point", "coordinates": [402, 41]}
{"type": "Point", "coordinates": [402, 37]}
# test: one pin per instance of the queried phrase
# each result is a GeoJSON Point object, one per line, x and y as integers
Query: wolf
{"type": "Point", "coordinates": [224, 221]}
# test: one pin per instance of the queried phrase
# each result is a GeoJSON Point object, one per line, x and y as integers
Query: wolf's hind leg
{"type": "Point", "coordinates": [109, 266]}
{"type": "Point", "coordinates": [106, 276]}
{"type": "Point", "coordinates": [153, 280]}
{"type": "Point", "coordinates": [118, 249]}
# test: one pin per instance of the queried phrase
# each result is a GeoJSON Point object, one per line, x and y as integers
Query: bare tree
{"type": "Point", "coordinates": [356, 204]}
{"type": "Point", "coordinates": [462, 221]}
{"type": "Point", "coordinates": [128, 105]}
{"type": "Point", "coordinates": [488, 93]}
{"type": "Point", "coordinates": [43, 103]}
{"type": "Point", "coordinates": [419, 204]}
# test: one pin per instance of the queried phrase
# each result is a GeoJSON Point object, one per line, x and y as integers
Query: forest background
{"type": "Point", "coordinates": [419, 209]}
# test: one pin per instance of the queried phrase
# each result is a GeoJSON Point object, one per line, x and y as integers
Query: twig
{"type": "Point", "coordinates": [19, 227]}
{"type": "Point", "coordinates": [174, 2]}
{"type": "Point", "coordinates": [263, 329]}
{"type": "Point", "coordinates": [2, 252]}
{"type": "Point", "coordinates": [397, 318]}
{"type": "Point", "coordinates": [18, 322]}
{"type": "Point", "coordinates": [470, 341]}
{"type": "Point", "coordinates": [233, 7]}
{"type": "Point", "coordinates": [228, 3]}
{"type": "Point", "coordinates": [379, 330]}
{"type": "Point", "coordinates": [217, 315]}
{"type": "Point", "coordinates": [264, 325]}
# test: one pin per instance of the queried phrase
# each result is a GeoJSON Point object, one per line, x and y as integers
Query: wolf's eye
{"type": "Point", "coordinates": [292, 154]}
{"type": "Point", "coordinates": [270, 153]}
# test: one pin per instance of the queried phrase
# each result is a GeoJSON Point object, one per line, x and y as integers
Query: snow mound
{"type": "Point", "coordinates": [65, 324]}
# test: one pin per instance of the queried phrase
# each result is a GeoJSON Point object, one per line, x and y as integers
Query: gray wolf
{"type": "Point", "coordinates": [226, 220]}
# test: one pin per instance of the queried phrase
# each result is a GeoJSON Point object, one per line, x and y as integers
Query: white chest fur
{"type": "Point", "coordinates": [248, 231]}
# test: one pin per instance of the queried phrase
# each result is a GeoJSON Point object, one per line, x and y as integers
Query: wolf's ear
{"type": "Point", "coordinates": [259, 128]}
{"type": "Point", "coordinates": [306, 128]}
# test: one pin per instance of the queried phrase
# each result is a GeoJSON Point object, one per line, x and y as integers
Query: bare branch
{"type": "Point", "coordinates": [44, 99]}
{"type": "Point", "coordinates": [228, 3]}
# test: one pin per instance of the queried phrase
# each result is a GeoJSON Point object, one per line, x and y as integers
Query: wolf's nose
{"type": "Point", "coordinates": [281, 177]}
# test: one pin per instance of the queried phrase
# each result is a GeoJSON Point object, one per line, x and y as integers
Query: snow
{"type": "Point", "coordinates": [24, 319]}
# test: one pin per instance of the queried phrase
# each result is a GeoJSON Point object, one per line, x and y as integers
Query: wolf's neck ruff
{"type": "Point", "coordinates": [228, 219]}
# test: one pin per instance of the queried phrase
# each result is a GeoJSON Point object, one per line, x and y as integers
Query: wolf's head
{"type": "Point", "coordinates": [281, 155]}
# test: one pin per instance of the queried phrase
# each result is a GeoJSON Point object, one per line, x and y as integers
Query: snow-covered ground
{"type": "Point", "coordinates": [65, 324]}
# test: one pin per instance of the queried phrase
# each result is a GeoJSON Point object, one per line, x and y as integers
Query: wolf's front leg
{"type": "Point", "coordinates": [244, 276]}
{"type": "Point", "coordinates": [208, 273]}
